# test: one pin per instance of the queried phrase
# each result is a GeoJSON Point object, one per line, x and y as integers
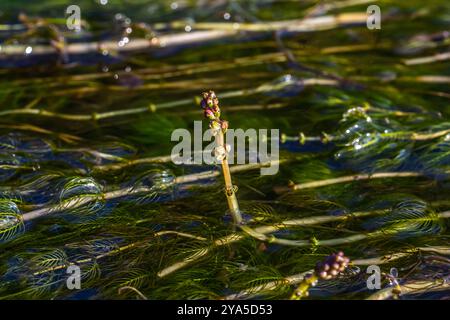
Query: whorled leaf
{"type": "Point", "coordinates": [409, 218]}
{"type": "Point", "coordinates": [11, 223]}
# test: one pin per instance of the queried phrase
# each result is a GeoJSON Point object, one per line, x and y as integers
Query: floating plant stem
{"type": "Point", "coordinates": [29, 127]}
{"type": "Point", "coordinates": [266, 87]}
{"type": "Point", "coordinates": [205, 32]}
{"type": "Point", "coordinates": [158, 74]}
{"type": "Point", "coordinates": [401, 135]}
{"type": "Point", "coordinates": [126, 163]}
{"type": "Point", "coordinates": [261, 231]}
{"type": "Point", "coordinates": [430, 59]}
{"type": "Point", "coordinates": [344, 179]}
{"type": "Point", "coordinates": [401, 226]}
{"type": "Point", "coordinates": [76, 203]}
{"type": "Point", "coordinates": [299, 25]}
{"type": "Point", "coordinates": [119, 250]}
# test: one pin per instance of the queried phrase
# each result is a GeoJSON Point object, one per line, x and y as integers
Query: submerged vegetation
{"type": "Point", "coordinates": [85, 141]}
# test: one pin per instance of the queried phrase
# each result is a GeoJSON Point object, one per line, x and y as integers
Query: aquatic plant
{"type": "Point", "coordinates": [87, 178]}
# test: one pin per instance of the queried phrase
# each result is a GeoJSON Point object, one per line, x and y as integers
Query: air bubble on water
{"type": "Point", "coordinates": [284, 86]}
{"type": "Point", "coordinates": [174, 5]}
{"type": "Point", "coordinates": [104, 2]}
{"type": "Point", "coordinates": [357, 146]}
{"type": "Point", "coordinates": [128, 69]}
{"type": "Point", "coordinates": [10, 219]}
{"type": "Point", "coordinates": [154, 183]}
{"type": "Point", "coordinates": [156, 179]}
{"type": "Point", "coordinates": [226, 16]}
{"type": "Point", "coordinates": [356, 114]}
{"type": "Point", "coordinates": [79, 187]}
{"type": "Point", "coordinates": [188, 28]}
{"type": "Point", "coordinates": [128, 30]}
{"type": "Point", "coordinates": [28, 50]}
{"type": "Point", "coordinates": [361, 142]}
{"type": "Point", "coordinates": [8, 206]}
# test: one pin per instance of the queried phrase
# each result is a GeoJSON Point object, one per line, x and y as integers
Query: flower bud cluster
{"type": "Point", "coordinates": [211, 110]}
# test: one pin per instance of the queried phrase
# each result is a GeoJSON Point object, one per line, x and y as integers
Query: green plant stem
{"type": "Point", "coordinates": [203, 32]}
{"type": "Point", "coordinates": [29, 127]}
{"type": "Point", "coordinates": [351, 178]}
{"type": "Point", "coordinates": [398, 135]}
{"type": "Point", "coordinates": [76, 203]}
{"type": "Point", "coordinates": [153, 107]}
{"type": "Point", "coordinates": [191, 178]}
{"type": "Point", "coordinates": [429, 59]}
{"type": "Point", "coordinates": [233, 204]}
{"type": "Point", "coordinates": [119, 250]}
{"type": "Point", "coordinates": [260, 233]}
{"type": "Point", "coordinates": [331, 242]}
{"type": "Point", "coordinates": [127, 163]}
{"type": "Point", "coordinates": [302, 290]}
{"type": "Point", "coordinates": [299, 25]}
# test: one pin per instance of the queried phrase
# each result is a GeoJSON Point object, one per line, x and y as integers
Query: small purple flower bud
{"type": "Point", "coordinates": [209, 114]}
